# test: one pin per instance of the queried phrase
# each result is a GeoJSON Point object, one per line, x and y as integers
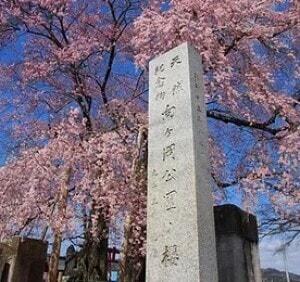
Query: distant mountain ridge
{"type": "Point", "coordinates": [274, 275]}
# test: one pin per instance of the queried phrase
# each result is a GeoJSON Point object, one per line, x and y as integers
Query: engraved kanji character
{"type": "Point", "coordinates": [169, 151]}
{"type": "Point", "coordinates": [160, 82]}
{"type": "Point", "coordinates": [168, 132]}
{"type": "Point", "coordinates": [160, 95]}
{"type": "Point", "coordinates": [154, 202]}
{"type": "Point", "coordinates": [170, 256]}
{"type": "Point", "coordinates": [175, 60]}
{"type": "Point", "coordinates": [177, 88]}
{"type": "Point", "coordinates": [199, 109]}
{"type": "Point", "coordinates": [170, 200]}
{"type": "Point", "coordinates": [169, 112]}
{"type": "Point", "coordinates": [154, 177]}
{"type": "Point", "coordinates": [159, 69]}
{"type": "Point", "coordinates": [169, 175]}
{"type": "Point", "coordinates": [197, 78]}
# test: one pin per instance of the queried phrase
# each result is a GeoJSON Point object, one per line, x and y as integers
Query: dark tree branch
{"type": "Point", "coordinates": [108, 72]}
{"type": "Point", "coordinates": [227, 118]}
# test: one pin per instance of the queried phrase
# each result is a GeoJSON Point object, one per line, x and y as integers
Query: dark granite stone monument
{"type": "Point", "coordinates": [237, 245]}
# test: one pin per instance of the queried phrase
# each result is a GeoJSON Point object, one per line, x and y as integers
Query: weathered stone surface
{"type": "Point", "coordinates": [180, 227]}
{"type": "Point", "coordinates": [26, 259]}
{"type": "Point", "coordinates": [230, 219]}
{"type": "Point", "coordinates": [237, 245]}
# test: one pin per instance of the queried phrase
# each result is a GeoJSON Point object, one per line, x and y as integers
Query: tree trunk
{"type": "Point", "coordinates": [125, 271]}
{"type": "Point", "coordinates": [96, 254]}
{"type": "Point", "coordinates": [92, 258]}
{"type": "Point", "coordinates": [61, 207]}
{"type": "Point", "coordinates": [54, 259]}
{"type": "Point", "coordinates": [131, 269]}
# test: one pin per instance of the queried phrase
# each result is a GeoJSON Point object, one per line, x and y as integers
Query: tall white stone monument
{"type": "Point", "coordinates": [181, 235]}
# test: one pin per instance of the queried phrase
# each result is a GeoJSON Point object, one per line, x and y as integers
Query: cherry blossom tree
{"type": "Point", "coordinates": [70, 52]}
{"type": "Point", "coordinates": [75, 111]}
{"type": "Point", "coordinates": [245, 47]}
{"type": "Point", "coordinates": [70, 176]}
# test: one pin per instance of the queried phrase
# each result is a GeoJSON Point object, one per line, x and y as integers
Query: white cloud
{"type": "Point", "coordinates": [269, 258]}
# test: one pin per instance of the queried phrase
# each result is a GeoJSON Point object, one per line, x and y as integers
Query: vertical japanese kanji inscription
{"type": "Point", "coordinates": [181, 235]}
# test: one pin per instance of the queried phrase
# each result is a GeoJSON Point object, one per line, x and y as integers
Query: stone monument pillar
{"type": "Point", "coordinates": [180, 222]}
{"type": "Point", "coordinates": [237, 245]}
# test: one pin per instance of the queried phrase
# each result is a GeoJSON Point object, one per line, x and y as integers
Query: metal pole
{"type": "Point", "coordinates": [285, 264]}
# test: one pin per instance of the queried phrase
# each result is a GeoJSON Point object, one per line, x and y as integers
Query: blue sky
{"type": "Point", "coordinates": [272, 259]}
{"type": "Point", "coordinates": [268, 246]}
